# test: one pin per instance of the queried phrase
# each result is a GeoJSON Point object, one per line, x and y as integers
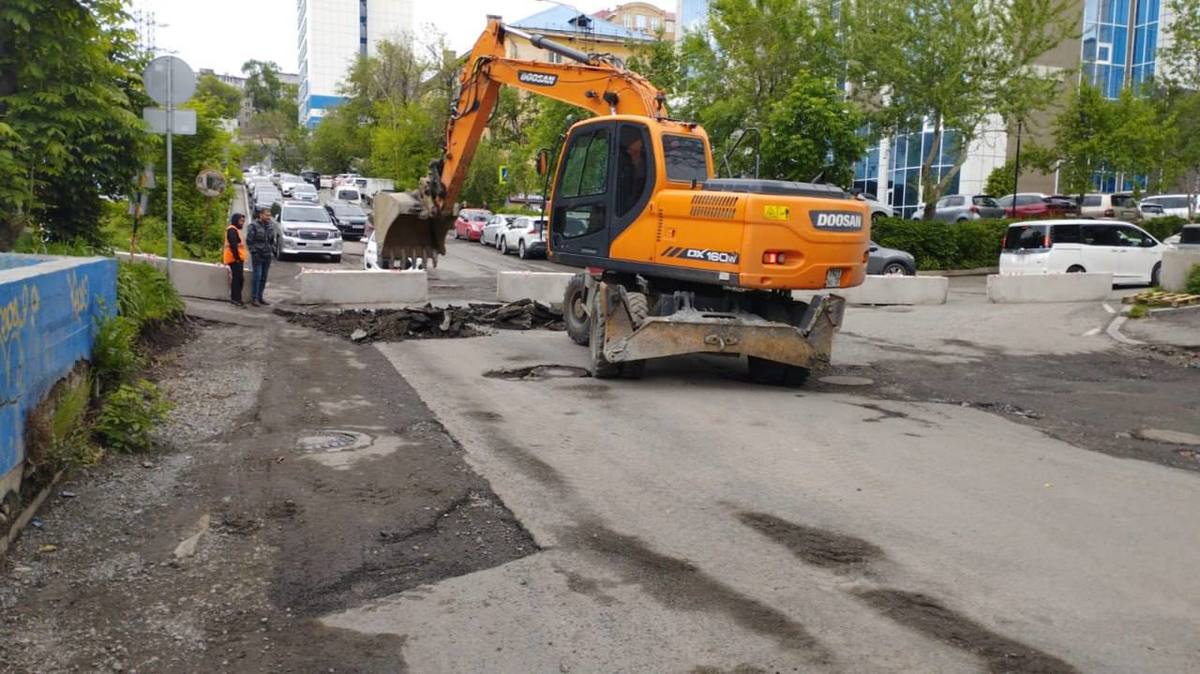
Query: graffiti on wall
{"type": "Point", "coordinates": [48, 317]}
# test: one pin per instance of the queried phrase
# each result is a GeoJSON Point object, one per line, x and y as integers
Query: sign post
{"type": "Point", "coordinates": [170, 82]}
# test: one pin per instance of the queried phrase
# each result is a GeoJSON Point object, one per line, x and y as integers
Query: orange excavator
{"type": "Point", "coordinates": [677, 261]}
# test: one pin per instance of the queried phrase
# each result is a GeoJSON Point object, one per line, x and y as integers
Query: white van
{"type": "Point", "coordinates": [348, 194]}
{"type": "Point", "coordinates": [1065, 246]}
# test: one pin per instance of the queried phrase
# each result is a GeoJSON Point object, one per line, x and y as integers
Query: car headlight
{"type": "Point", "coordinates": [290, 232]}
{"type": "Point", "coordinates": [336, 234]}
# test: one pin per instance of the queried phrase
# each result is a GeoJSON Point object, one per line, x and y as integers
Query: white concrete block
{"type": "Point", "coordinates": [544, 287]}
{"type": "Point", "coordinates": [195, 279]}
{"type": "Point", "coordinates": [1175, 267]}
{"type": "Point", "coordinates": [899, 290]}
{"type": "Point", "coordinates": [1019, 289]}
{"type": "Point", "coordinates": [363, 287]}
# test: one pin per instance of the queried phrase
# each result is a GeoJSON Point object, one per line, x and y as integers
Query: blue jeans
{"type": "Point", "coordinates": [258, 280]}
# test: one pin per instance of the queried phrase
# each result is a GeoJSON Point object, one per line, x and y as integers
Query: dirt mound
{"type": "Point", "coordinates": [428, 322]}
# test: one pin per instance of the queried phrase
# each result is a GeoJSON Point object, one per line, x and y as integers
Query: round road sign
{"type": "Point", "coordinates": [210, 183]}
{"type": "Point", "coordinates": [169, 80]}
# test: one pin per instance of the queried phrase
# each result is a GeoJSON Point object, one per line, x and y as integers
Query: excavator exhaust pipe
{"type": "Point", "coordinates": [408, 225]}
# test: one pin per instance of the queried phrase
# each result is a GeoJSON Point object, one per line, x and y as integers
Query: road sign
{"type": "Point", "coordinates": [502, 174]}
{"type": "Point", "coordinates": [183, 122]}
{"type": "Point", "coordinates": [210, 183]}
{"type": "Point", "coordinates": [169, 80]}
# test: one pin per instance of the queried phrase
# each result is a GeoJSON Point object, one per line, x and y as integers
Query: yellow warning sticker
{"type": "Point", "coordinates": [775, 212]}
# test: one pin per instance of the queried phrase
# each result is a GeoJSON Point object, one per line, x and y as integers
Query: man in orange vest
{"type": "Point", "coordinates": [234, 255]}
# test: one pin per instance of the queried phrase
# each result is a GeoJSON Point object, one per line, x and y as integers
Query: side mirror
{"type": "Point", "coordinates": [543, 162]}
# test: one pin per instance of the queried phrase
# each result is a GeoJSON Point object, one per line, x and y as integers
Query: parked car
{"type": "Point", "coordinates": [491, 231]}
{"type": "Point", "coordinates": [347, 194]}
{"type": "Point", "coordinates": [1119, 206]}
{"type": "Point", "coordinates": [326, 182]}
{"type": "Point", "coordinates": [312, 178]}
{"type": "Point", "coordinates": [878, 208]}
{"type": "Point", "coordinates": [305, 192]}
{"type": "Point", "coordinates": [470, 222]}
{"type": "Point", "coordinates": [349, 218]}
{"type": "Point", "coordinates": [1187, 238]}
{"type": "Point", "coordinates": [288, 186]}
{"type": "Point", "coordinates": [1032, 205]}
{"type": "Point", "coordinates": [371, 258]}
{"type": "Point", "coordinates": [889, 261]}
{"type": "Point", "coordinates": [265, 198]}
{"type": "Point", "coordinates": [305, 229]}
{"type": "Point", "coordinates": [963, 207]}
{"type": "Point", "coordinates": [1173, 204]}
{"type": "Point", "coordinates": [526, 236]}
{"type": "Point", "coordinates": [1122, 249]}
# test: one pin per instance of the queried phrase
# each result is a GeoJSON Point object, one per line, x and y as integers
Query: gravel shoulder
{"type": "Point", "coordinates": [285, 487]}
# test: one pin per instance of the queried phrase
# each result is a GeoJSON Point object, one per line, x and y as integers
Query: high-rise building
{"type": "Point", "coordinates": [690, 16]}
{"type": "Point", "coordinates": [331, 34]}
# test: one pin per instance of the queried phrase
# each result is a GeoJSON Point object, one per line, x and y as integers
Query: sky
{"type": "Point", "coordinates": [224, 34]}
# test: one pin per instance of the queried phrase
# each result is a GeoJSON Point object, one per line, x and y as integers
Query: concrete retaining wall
{"type": "Point", "coordinates": [899, 290]}
{"type": "Point", "coordinates": [1175, 267]}
{"type": "Point", "coordinates": [1020, 289]}
{"type": "Point", "coordinates": [49, 307]}
{"type": "Point", "coordinates": [544, 287]}
{"type": "Point", "coordinates": [203, 280]}
{"type": "Point", "coordinates": [363, 287]}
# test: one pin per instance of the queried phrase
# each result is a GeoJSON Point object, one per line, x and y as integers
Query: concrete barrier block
{"type": "Point", "coordinates": [1175, 267]}
{"type": "Point", "coordinates": [1020, 289]}
{"type": "Point", "coordinates": [363, 287]}
{"type": "Point", "coordinates": [899, 290]}
{"type": "Point", "coordinates": [203, 280]}
{"type": "Point", "coordinates": [544, 287]}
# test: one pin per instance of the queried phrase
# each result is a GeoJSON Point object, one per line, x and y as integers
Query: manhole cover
{"type": "Point", "coordinates": [846, 380]}
{"type": "Point", "coordinates": [328, 441]}
{"type": "Point", "coordinates": [538, 372]}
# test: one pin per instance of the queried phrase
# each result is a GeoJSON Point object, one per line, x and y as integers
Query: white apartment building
{"type": "Point", "coordinates": [331, 34]}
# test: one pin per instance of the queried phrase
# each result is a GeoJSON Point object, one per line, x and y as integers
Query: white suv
{"type": "Point", "coordinates": [305, 229]}
{"type": "Point", "coordinates": [525, 235]}
{"type": "Point", "coordinates": [1064, 246]}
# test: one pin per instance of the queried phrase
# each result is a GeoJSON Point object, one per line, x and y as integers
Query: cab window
{"type": "Point", "coordinates": [685, 158]}
{"type": "Point", "coordinates": [632, 168]}
{"type": "Point", "coordinates": [586, 171]}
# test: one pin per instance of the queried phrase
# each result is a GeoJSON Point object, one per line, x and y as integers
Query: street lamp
{"type": "Point", "coordinates": [1017, 168]}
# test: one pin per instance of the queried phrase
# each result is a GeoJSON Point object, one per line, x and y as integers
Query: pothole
{"type": "Point", "coordinates": [535, 372]}
{"type": "Point", "coordinates": [333, 441]}
{"type": "Point", "coordinates": [846, 380]}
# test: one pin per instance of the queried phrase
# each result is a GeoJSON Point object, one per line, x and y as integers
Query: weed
{"type": "Point", "coordinates": [1192, 284]}
{"type": "Point", "coordinates": [129, 415]}
{"type": "Point", "coordinates": [1139, 310]}
{"type": "Point", "coordinates": [115, 358]}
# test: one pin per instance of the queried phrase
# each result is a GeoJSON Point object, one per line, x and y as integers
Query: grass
{"type": "Point", "coordinates": [1139, 310]}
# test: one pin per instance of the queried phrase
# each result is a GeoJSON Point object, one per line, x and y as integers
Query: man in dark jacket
{"type": "Point", "coordinates": [262, 240]}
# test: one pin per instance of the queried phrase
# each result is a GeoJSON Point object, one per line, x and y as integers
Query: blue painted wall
{"type": "Point", "coordinates": [49, 307]}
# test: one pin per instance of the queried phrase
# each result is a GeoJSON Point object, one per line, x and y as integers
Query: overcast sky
{"type": "Point", "coordinates": [223, 34]}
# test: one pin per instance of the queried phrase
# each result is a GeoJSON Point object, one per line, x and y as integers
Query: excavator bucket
{"type": "Point", "coordinates": [408, 226]}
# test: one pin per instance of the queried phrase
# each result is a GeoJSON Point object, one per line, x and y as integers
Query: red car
{"type": "Point", "coordinates": [1035, 206]}
{"type": "Point", "coordinates": [470, 222]}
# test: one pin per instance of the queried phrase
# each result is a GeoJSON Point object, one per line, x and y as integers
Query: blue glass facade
{"type": "Point", "coordinates": [907, 152]}
{"type": "Point", "coordinates": [1120, 43]}
{"type": "Point", "coordinates": [692, 15]}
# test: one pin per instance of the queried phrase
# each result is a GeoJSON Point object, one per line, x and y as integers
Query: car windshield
{"type": "Point", "coordinates": [349, 210]}
{"type": "Point", "coordinates": [984, 201]}
{"type": "Point", "coordinates": [1025, 237]}
{"type": "Point", "coordinates": [347, 195]}
{"type": "Point", "coordinates": [304, 215]}
{"type": "Point", "coordinates": [306, 188]}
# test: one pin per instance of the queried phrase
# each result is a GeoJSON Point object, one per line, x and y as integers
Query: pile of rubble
{"type": "Point", "coordinates": [429, 322]}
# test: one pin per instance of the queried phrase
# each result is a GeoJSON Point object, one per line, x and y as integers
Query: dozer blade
{"type": "Point", "coordinates": [407, 226]}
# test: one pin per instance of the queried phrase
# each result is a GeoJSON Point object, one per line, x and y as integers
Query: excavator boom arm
{"type": "Point", "coordinates": [414, 224]}
{"type": "Point", "coordinates": [597, 83]}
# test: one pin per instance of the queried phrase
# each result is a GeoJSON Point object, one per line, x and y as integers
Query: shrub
{"type": "Point", "coordinates": [145, 295]}
{"type": "Point", "coordinates": [944, 245]}
{"type": "Point", "coordinates": [1192, 283]}
{"type": "Point", "coordinates": [128, 416]}
{"type": "Point", "coordinates": [1165, 226]}
{"type": "Point", "coordinates": [115, 357]}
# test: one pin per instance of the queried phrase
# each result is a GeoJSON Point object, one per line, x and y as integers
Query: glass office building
{"type": "Point", "coordinates": [1120, 43]}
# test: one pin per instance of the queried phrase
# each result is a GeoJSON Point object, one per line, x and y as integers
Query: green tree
{"type": "Point", "coordinates": [951, 65]}
{"type": "Point", "coordinates": [70, 123]}
{"type": "Point", "coordinates": [1002, 180]}
{"type": "Point", "coordinates": [1180, 109]}
{"type": "Point", "coordinates": [657, 61]}
{"type": "Point", "coordinates": [339, 141]}
{"type": "Point", "coordinates": [224, 100]}
{"type": "Point", "coordinates": [813, 133]}
{"type": "Point", "coordinates": [263, 87]}
{"type": "Point", "coordinates": [1081, 134]}
{"type": "Point", "coordinates": [1180, 59]}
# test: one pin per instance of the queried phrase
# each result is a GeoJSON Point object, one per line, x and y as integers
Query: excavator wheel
{"type": "Point", "coordinates": [601, 368]}
{"type": "Point", "coordinates": [639, 309]}
{"type": "Point", "coordinates": [575, 310]}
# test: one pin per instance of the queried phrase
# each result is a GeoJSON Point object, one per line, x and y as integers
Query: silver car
{"type": "Point", "coordinates": [526, 236]}
{"type": "Point", "coordinates": [963, 207]}
{"type": "Point", "coordinates": [305, 229]}
{"type": "Point", "coordinates": [491, 231]}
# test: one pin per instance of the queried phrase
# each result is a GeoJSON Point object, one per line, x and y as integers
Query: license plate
{"type": "Point", "coordinates": [833, 278]}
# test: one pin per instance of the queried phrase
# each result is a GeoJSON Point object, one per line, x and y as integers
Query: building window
{"type": "Point", "coordinates": [907, 152]}
{"type": "Point", "coordinates": [655, 24]}
{"type": "Point", "coordinates": [1106, 43]}
{"type": "Point", "coordinates": [554, 57]}
{"type": "Point", "coordinates": [641, 22]}
{"type": "Point", "coordinates": [629, 21]}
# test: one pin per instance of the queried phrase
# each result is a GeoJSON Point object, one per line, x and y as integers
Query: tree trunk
{"type": "Point", "coordinates": [930, 192]}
